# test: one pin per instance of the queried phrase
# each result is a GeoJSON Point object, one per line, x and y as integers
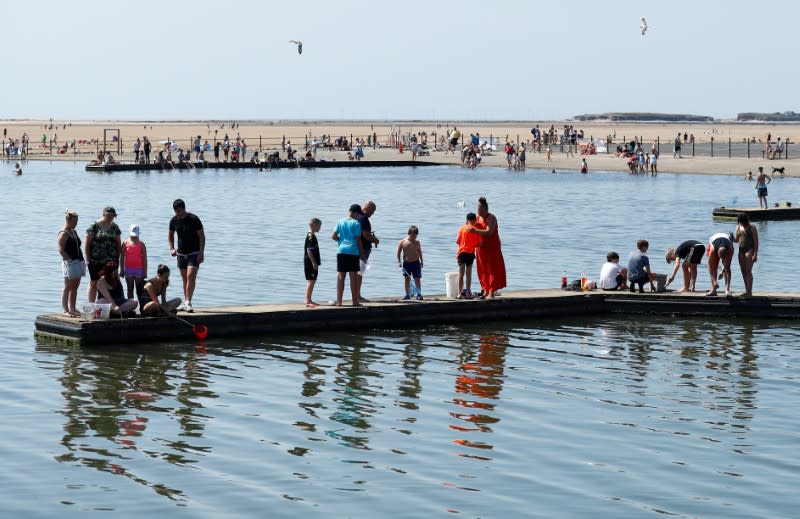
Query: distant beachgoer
{"type": "Point", "coordinates": [749, 176]}
{"type": "Point", "coordinates": [491, 265]}
{"type": "Point", "coordinates": [720, 247]}
{"type": "Point", "coordinates": [676, 147]}
{"type": "Point", "coordinates": [137, 146]}
{"type": "Point", "coordinates": [147, 147]}
{"type": "Point", "coordinates": [311, 259]}
{"type": "Point", "coordinates": [761, 187]}
{"type": "Point", "coordinates": [17, 169]}
{"type": "Point", "coordinates": [73, 266]}
{"type": "Point", "coordinates": [153, 300]}
{"type": "Point", "coordinates": [691, 253]}
{"type": "Point", "coordinates": [509, 151]}
{"type": "Point", "coordinates": [747, 238]}
{"type": "Point", "coordinates": [584, 166]}
{"type": "Point", "coordinates": [409, 258]}
{"type": "Point", "coordinates": [197, 148]}
{"type": "Point", "coordinates": [102, 244]}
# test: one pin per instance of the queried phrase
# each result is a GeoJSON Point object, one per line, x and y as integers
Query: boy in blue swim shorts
{"type": "Point", "coordinates": [411, 262]}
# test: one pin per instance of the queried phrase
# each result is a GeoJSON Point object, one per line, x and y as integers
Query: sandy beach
{"type": "Point", "coordinates": [267, 135]}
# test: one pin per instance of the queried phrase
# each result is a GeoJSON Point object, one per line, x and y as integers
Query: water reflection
{"type": "Point", "coordinates": [480, 381]}
{"type": "Point", "coordinates": [110, 399]}
{"type": "Point", "coordinates": [716, 369]}
{"type": "Point", "coordinates": [356, 396]}
{"type": "Point", "coordinates": [341, 403]}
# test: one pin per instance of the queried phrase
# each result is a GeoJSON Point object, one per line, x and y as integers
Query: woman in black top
{"type": "Point", "coordinates": [109, 287]}
{"type": "Point", "coordinates": [72, 264]}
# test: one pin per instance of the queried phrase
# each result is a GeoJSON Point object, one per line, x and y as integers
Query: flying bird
{"type": "Point", "coordinates": [300, 44]}
{"type": "Point", "coordinates": [643, 27]}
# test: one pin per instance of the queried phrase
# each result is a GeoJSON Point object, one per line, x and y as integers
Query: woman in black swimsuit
{"type": "Point", "coordinates": [747, 237]}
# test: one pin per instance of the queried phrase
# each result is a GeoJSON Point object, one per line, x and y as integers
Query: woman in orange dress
{"type": "Point", "coordinates": [489, 256]}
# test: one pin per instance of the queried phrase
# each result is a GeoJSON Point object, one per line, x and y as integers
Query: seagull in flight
{"type": "Point", "coordinates": [300, 44]}
{"type": "Point", "coordinates": [643, 27]}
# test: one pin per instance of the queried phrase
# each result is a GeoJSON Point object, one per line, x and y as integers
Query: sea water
{"type": "Point", "coordinates": [543, 418]}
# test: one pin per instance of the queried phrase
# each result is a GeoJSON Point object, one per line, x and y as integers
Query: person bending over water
{"type": "Point", "coordinates": [720, 247]}
{"type": "Point", "coordinates": [691, 253]}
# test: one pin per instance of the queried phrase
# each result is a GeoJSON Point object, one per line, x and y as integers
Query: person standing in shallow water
{"type": "Point", "coordinates": [761, 187]}
{"type": "Point", "coordinates": [489, 255]}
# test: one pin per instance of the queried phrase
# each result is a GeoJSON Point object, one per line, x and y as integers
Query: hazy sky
{"type": "Point", "coordinates": [435, 60]}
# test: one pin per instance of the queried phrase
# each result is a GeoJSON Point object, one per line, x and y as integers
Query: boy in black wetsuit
{"type": "Point", "coordinates": [311, 259]}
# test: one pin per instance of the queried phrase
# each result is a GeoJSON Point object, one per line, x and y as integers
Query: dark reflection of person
{"type": "Point", "coordinates": [313, 381]}
{"type": "Point", "coordinates": [481, 378]}
{"type": "Point", "coordinates": [110, 399]}
{"type": "Point", "coordinates": [410, 385]}
{"type": "Point", "coordinates": [355, 402]}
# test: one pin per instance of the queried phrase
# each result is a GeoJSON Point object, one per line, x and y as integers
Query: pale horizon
{"type": "Point", "coordinates": [504, 61]}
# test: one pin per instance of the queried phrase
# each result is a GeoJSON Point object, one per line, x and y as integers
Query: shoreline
{"type": "Point", "coordinates": [267, 135]}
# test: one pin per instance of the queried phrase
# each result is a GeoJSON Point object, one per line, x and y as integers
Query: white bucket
{"type": "Point", "coordinates": [451, 284]}
{"type": "Point", "coordinates": [102, 310]}
{"type": "Point", "coordinates": [87, 311]}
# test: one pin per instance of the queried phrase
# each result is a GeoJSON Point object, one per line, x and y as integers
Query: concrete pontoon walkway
{"type": "Point", "coordinates": [231, 321]}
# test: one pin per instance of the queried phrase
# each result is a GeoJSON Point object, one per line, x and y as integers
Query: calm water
{"type": "Point", "coordinates": [521, 419]}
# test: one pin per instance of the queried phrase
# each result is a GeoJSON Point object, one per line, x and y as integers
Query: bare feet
{"type": "Point", "coordinates": [311, 304]}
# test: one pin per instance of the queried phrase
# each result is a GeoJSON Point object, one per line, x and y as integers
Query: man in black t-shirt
{"type": "Point", "coordinates": [367, 238]}
{"type": "Point", "coordinates": [191, 245]}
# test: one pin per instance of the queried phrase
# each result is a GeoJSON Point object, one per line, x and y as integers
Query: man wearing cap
{"type": "Point", "coordinates": [191, 246]}
{"type": "Point", "coordinates": [101, 245]}
{"type": "Point", "coordinates": [350, 250]}
{"type": "Point", "coordinates": [367, 239]}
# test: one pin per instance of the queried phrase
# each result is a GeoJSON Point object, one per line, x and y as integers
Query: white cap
{"type": "Point", "coordinates": [134, 230]}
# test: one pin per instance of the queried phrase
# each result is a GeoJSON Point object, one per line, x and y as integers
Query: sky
{"type": "Point", "coordinates": [435, 60]}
